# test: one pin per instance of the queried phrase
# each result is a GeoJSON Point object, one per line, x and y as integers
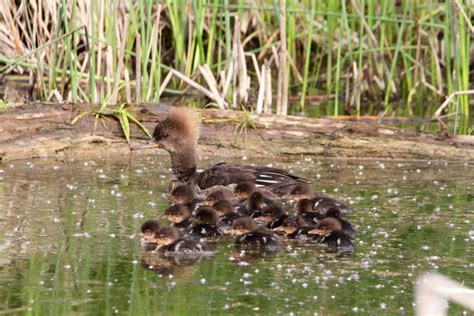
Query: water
{"type": "Point", "coordinates": [70, 245]}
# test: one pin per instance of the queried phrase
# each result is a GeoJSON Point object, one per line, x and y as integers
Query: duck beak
{"type": "Point", "coordinates": [149, 144]}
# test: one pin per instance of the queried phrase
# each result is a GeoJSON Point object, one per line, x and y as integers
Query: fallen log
{"type": "Point", "coordinates": [42, 130]}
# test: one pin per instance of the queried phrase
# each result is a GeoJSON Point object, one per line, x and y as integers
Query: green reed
{"type": "Point", "coordinates": [364, 57]}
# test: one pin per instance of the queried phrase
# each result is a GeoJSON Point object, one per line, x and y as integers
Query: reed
{"type": "Point", "coordinates": [365, 57]}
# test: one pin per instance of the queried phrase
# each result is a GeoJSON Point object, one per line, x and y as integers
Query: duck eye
{"type": "Point", "coordinates": [164, 135]}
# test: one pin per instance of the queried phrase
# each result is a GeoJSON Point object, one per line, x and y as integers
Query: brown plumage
{"type": "Point", "coordinates": [319, 202]}
{"type": "Point", "coordinates": [178, 134]}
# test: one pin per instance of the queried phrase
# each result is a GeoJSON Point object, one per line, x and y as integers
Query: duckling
{"type": "Point", "coordinates": [178, 134]}
{"type": "Point", "coordinates": [170, 243]}
{"type": "Point", "coordinates": [217, 196]}
{"type": "Point", "coordinates": [184, 194]}
{"type": "Point", "coordinates": [243, 189]}
{"type": "Point", "coordinates": [148, 230]}
{"type": "Point", "coordinates": [296, 227]}
{"type": "Point", "coordinates": [249, 237]}
{"type": "Point", "coordinates": [304, 207]}
{"type": "Point", "coordinates": [205, 224]}
{"type": "Point", "coordinates": [223, 207]}
{"type": "Point", "coordinates": [330, 233]}
{"type": "Point", "coordinates": [320, 202]}
{"type": "Point", "coordinates": [347, 228]}
{"type": "Point", "coordinates": [257, 204]}
{"type": "Point", "coordinates": [179, 215]}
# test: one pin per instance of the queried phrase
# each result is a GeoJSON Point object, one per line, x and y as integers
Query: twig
{"type": "Point", "coordinates": [437, 114]}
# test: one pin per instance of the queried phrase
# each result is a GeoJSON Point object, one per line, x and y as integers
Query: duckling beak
{"type": "Point", "coordinates": [317, 231]}
{"type": "Point", "coordinates": [149, 144]}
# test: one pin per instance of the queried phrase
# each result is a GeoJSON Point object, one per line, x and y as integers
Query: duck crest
{"type": "Point", "coordinates": [185, 121]}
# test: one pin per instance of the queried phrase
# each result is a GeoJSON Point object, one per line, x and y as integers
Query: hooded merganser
{"type": "Point", "coordinates": [223, 207]}
{"type": "Point", "coordinates": [184, 194]}
{"type": "Point", "coordinates": [250, 237]}
{"type": "Point", "coordinates": [179, 215]}
{"type": "Point", "coordinates": [205, 224]}
{"type": "Point", "coordinates": [347, 228]}
{"type": "Point", "coordinates": [304, 207]}
{"type": "Point", "coordinates": [217, 196]}
{"type": "Point", "coordinates": [264, 210]}
{"type": "Point", "coordinates": [178, 133]}
{"type": "Point", "coordinates": [296, 227]}
{"type": "Point", "coordinates": [330, 233]}
{"type": "Point", "coordinates": [148, 230]}
{"type": "Point", "coordinates": [170, 242]}
{"type": "Point", "coordinates": [320, 202]}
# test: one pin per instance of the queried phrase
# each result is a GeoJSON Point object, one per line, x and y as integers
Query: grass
{"type": "Point", "coordinates": [369, 57]}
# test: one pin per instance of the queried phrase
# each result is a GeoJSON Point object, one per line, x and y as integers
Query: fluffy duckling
{"type": "Point", "coordinates": [170, 242]}
{"type": "Point", "coordinates": [296, 227]}
{"type": "Point", "coordinates": [304, 207]}
{"type": "Point", "coordinates": [218, 196]}
{"type": "Point", "coordinates": [320, 202]}
{"type": "Point", "coordinates": [243, 189]}
{"type": "Point", "coordinates": [184, 194]}
{"type": "Point", "coordinates": [330, 233]}
{"type": "Point", "coordinates": [205, 224]}
{"type": "Point", "coordinates": [347, 227]}
{"type": "Point", "coordinates": [257, 204]}
{"type": "Point", "coordinates": [249, 237]}
{"type": "Point", "coordinates": [148, 230]}
{"type": "Point", "coordinates": [178, 134]}
{"type": "Point", "coordinates": [179, 215]}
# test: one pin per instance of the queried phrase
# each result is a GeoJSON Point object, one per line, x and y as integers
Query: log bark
{"type": "Point", "coordinates": [45, 130]}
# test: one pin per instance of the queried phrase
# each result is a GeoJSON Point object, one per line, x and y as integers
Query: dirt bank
{"type": "Point", "coordinates": [45, 130]}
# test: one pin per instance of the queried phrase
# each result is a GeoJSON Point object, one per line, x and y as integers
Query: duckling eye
{"type": "Point", "coordinates": [164, 135]}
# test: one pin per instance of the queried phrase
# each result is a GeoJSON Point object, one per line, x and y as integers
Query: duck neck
{"type": "Point", "coordinates": [183, 165]}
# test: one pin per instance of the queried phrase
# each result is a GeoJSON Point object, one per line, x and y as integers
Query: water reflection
{"type": "Point", "coordinates": [70, 242]}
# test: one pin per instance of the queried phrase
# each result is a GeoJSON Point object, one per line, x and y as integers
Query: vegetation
{"type": "Point", "coordinates": [357, 57]}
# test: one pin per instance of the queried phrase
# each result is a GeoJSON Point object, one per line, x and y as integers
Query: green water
{"type": "Point", "coordinates": [69, 242]}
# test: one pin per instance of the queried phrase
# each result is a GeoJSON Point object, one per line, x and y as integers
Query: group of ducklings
{"type": "Point", "coordinates": [251, 214]}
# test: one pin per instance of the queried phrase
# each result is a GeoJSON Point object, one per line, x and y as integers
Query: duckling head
{"type": "Point", "coordinates": [149, 228]}
{"type": "Point", "coordinates": [165, 236]}
{"type": "Point", "coordinates": [243, 225]}
{"type": "Point", "coordinates": [182, 194]}
{"type": "Point", "coordinates": [177, 213]}
{"type": "Point", "coordinates": [206, 215]}
{"type": "Point", "coordinates": [301, 191]}
{"type": "Point", "coordinates": [177, 131]}
{"type": "Point", "coordinates": [243, 189]}
{"type": "Point", "coordinates": [326, 226]}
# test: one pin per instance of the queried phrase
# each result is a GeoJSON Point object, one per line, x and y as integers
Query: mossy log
{"type": "Point", "coordinates": [45, 130]}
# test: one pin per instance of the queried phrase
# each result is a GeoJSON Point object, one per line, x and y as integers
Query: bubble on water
{"type": "Point", "coordinates": [203, 281]}
{"type": "Point", "coordinates": [383, 305]}
{"type": "Point", "coordinates": [67, 266]}
{"type": "Point", "coordinates": [246, 275]}
{"type": "Point", "coordinates": [138, 215]}
{"type": "Point", "coordinates": [425, 247]}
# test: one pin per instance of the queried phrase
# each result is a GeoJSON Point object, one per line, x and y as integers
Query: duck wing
{"type": "Point", "coordinates": [277, 181]}
{"type": "Point", "coordinates": [224, 174]}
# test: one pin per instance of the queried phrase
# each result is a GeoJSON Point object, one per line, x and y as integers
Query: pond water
{"type": "Point", "coordinates": [70, 244]}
